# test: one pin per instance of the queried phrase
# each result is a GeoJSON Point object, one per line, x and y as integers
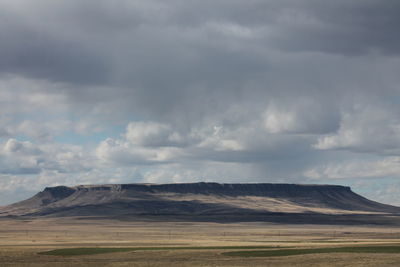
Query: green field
{"type": "Point", "coordinates": [290, 252]}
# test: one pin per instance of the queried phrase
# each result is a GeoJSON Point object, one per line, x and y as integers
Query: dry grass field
{"type": "Point", "coordinates": [199, 244]}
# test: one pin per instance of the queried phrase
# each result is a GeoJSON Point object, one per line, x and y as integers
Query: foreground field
{"type": "Point", "coordinates": [147, 243]}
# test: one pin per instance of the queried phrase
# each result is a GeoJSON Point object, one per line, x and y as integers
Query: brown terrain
{"type": "Point", "coordinates": [195, 224]}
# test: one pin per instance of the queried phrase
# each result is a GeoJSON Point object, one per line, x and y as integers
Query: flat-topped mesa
{"type": "Point", "coordinates": [203, 188]}
{"type": "Point", "coordinates": [193, 199]}
{"type": "Point", "coordinates": [296, 192]}
{"type": "Point", "coordinates": [217, 188]}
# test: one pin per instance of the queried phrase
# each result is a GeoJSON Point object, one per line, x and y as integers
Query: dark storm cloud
{"type": "Point", "coordinates": [342, 27]}
{"type": "Point", "coordinates": [184, 60]}
{"type": "Point", "coordinates": [277, 67]}
{"type": "Point", "coordinates": [37, 53]}
{"type": "Point", "coordinates": [152, 45]}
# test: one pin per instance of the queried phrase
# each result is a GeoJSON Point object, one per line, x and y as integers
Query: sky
{"type": "Point", "coordinates": [147, 91]}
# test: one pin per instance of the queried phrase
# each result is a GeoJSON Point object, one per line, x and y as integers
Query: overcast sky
{"type": "Point", "coordinates": [114, 91]}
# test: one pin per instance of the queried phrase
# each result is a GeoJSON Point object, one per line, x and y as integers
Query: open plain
{"type": "Point", "coordinates": [180, 243]}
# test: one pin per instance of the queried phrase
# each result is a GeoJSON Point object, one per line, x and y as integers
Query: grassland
{"type": "Point", "coordinates": [86, 242]}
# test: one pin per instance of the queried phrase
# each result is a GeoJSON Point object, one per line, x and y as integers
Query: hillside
{"type": "Point", "coordinates": [195, 199]}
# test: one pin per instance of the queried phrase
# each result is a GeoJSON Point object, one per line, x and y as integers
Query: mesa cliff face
{"type": "Point", "coordinates": [195, 199]}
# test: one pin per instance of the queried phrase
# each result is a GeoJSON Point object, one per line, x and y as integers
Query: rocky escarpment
{"type": "Point", "coordinates": [195, 199]}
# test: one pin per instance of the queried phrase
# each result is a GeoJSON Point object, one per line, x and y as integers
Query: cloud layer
{"type": "Point", "coordinates": [230, 91]}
